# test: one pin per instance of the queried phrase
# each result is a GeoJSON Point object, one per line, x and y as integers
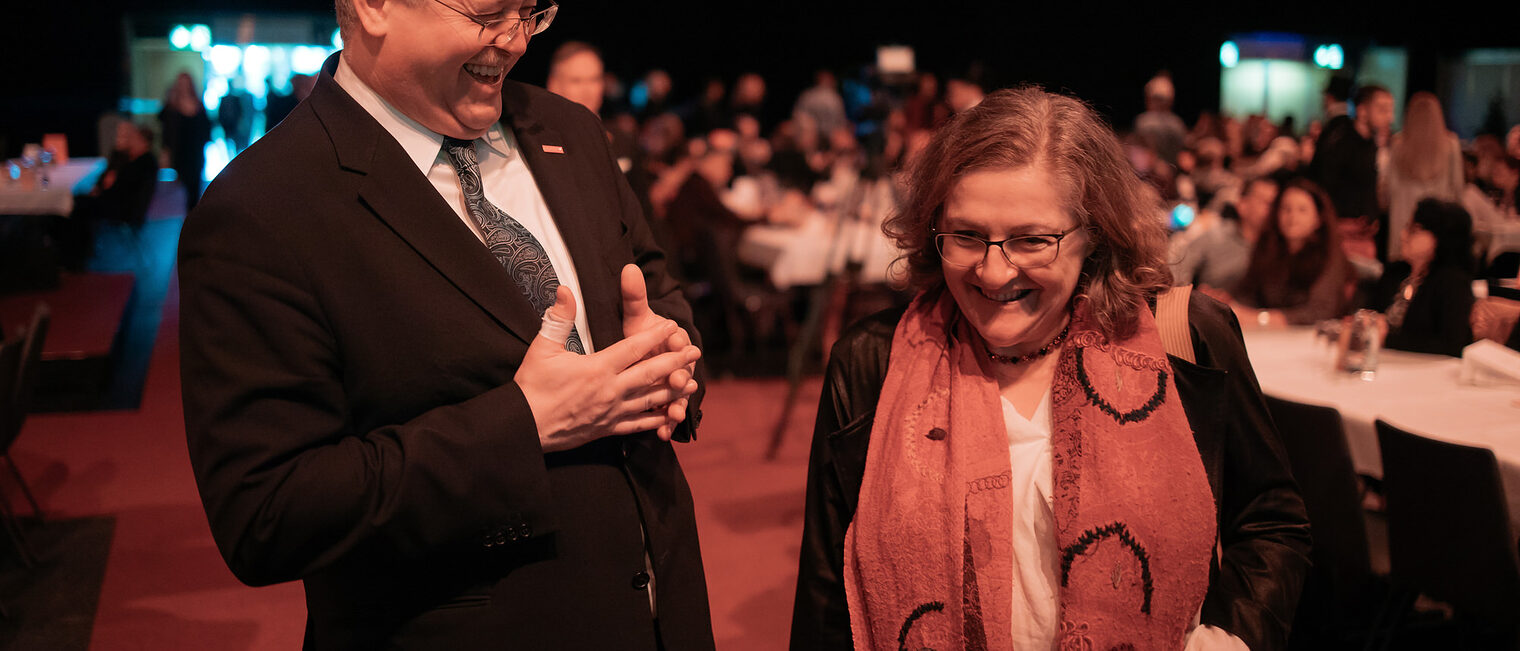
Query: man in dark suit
{"type": "Point", "coordinates": [1345, 157]}
{"type": "Point", "coordinates": [371, 404]}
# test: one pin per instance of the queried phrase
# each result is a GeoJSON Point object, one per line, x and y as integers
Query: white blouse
{"type": "Point", "coordinates": [1036, 620]}
{"type": "Point", "coordinates": [1036, 556]}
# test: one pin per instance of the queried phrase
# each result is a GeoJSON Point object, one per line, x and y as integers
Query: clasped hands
{"type": "Point", "coordinates": [637, 384]}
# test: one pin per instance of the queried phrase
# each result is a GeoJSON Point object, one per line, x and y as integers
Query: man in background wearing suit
{"type": "Point", "coordinates": [371, 404]}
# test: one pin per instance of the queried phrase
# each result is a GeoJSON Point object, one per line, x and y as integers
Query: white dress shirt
{"type": "Point", "coordinates": [504, 175]}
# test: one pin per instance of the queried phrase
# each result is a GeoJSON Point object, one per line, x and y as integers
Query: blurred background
{"type": "Point", "coordinates": [764, 140]}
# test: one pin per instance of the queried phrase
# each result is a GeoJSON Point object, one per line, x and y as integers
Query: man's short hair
{"type": "Point", "coordinates": [1367, 92]}
{"type": "Point", "coordinates": [1339, 88]}
{"type": "Point", "coordinates": [569, 49]}
{"type": "Point", "coordinates": [348, 19]}
{"type": "Point", "coordinates": [1265, 178]}
{"type": "Point", "coordinates": [1160, 87]}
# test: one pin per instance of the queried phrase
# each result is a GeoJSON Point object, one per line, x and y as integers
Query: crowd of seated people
{"type": "Point", "coordinates": [1297, 227]}
{"type": "Point", "coordinates": [732, 157]}
{"type": "Point", "coordinates": [1296, 221]}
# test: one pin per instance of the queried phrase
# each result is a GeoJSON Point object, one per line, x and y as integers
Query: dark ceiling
{"type": "Point", "coordinates": [71, 52]}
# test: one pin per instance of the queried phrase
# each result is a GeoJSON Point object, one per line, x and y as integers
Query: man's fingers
{"type": "Point", "coordinates": [635, 295]}
{"type": "Point", "coordinates": [680, 339]}
{"type": "Point", "coordinates": [637, 346]}
{"type": "Point", "coordinates": [654, 397]}
{"type": "Point", "coordinates": [640, 422]}
{"type": "Point", "coordinates": [679, 378]}
{"type": "Point", "coordinates": [654, 371]}
{"type": "Point", "coordinates": [676, 412]}
{"type": "Point", "coordinates": [559, 318]}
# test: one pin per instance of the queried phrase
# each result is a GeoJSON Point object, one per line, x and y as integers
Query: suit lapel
{"type": "Point", "coordinates": [553, 164]}
{"type": "Point", "coordinates": [393, 189]}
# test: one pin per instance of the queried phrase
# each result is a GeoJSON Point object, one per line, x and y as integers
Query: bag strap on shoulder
{"type": "Point", "coordinates": [1172, 322]}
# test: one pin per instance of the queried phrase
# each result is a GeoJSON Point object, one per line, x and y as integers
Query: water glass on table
{"type": "Point", "coordinates": [1361, 339]}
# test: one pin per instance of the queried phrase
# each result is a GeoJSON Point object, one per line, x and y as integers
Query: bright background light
{"type": "Point", "coordinates": [1182, 216]}
{"type": "Point", "coordinates": [200, 38]}
{"type": "Point", "coordinates": [179, 37]}
{"type": "Point", "coordinates": [307, 60]}
{"type": "Point", "coordinates": [1229, 54]}
{"type": "Point", "coordinates": [224, 59]}
{"type": "Point", "coordinates": [1330, 56]}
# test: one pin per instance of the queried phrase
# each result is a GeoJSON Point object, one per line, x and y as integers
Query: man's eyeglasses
{"type": "Point", "coordinates": [1024, 251]}
{"type": "Point", "coordinates": [532, 24]}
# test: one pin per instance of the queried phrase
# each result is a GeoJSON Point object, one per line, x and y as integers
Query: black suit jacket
{"type": "Point", "coordinates": [1345, 165]}
{"type": "Point", "coordinates": [348, 353]}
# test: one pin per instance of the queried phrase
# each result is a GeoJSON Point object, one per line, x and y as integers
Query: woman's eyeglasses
{"type": "Point", "coordinates": [1024, 251]}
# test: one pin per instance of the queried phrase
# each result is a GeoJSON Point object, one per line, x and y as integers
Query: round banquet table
{"type": "Point", "coordinates": [1415, 392]}
{"type": "Point", "coordinates": [57, 198]}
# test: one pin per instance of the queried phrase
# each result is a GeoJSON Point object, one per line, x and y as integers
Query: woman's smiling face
{"type": "Point", "coordinates": [1015, 310]}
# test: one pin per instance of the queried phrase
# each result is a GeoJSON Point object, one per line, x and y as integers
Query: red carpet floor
{"type": "Point", "coordinates": [166, 587]}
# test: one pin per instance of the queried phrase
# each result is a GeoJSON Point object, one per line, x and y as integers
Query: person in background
{"type": "Point", "coordinates": [186, 129]}
{"type": "Point", "coordinates": [1216, 261]}
{"type": "Point", "coordinates": [1425, 162]}
{"type": "Point", "coordinates": [1015, 461]}
{"type": "Point", "coordinates": [1158, 126]}
{"type": "Point", "coordinates": [1504, 177]}
{"type": "Point", "coordinates": [125, 189]}
{"type": "Point", "coordinates": [234, 113]}
{"type": "Point", "coordinates": [709, 111]}
{"type": "Point", "coordinates": [1298, 274]}
{"type": "Point", "coordinates": [1210, 173]}
{"type": "Point", "coordinates": [279, 103]}
{"type": "Point", "coordinates": [1426, 296]}
{"type": "Point", "coordinates": [655, 95]}
{"type": "Point", "coordinates": [822, 104]}
{"type": "Point", "coordinates": [576, 74]}
{"type": "Point", "coordinates": [1345, 162]}
{"type": "Point", "coordinates": [121, 194]}
{"type": "Point", "coordinates": [747, 98]}
{"type": "Point", "coordinates": [925, 110]}
{"type": "Point", "coordinates": [962, 93]}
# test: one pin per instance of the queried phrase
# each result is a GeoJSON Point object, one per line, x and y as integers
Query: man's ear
{"type": "Point", "coordinates": [375, 16]}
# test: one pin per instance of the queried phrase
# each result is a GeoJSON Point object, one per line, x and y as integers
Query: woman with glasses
{"type": "Point", "coordinates": [1025, 458]}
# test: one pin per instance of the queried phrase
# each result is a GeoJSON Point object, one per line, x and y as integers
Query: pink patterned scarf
{"type": "Point", "coordinates": [928, 556]}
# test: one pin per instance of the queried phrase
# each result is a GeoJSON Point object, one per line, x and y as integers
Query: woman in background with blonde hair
{"type": "Point", "coordinates": [1426, 162]}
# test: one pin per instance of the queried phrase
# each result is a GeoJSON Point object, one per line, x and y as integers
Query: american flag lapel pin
{"type": "Point", "coordinates": [553, 149]}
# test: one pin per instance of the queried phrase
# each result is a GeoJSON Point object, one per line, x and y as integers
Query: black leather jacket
{"type": "Point", "coordinates": [1263, 528]}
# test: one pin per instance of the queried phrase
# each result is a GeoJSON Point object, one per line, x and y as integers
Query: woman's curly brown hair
{"type": "Point", "coordinates": [1016, 128]}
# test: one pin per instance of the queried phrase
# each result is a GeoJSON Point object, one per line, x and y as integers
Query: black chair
{"type": "Point", "coordinates": [21, 395]}
{"type": "Point", "coordinates": [10, 366]}
{"type": "Point", "coordinates": [1449, 534]}
{"type": "Point", "coordinates": [1342, 596]}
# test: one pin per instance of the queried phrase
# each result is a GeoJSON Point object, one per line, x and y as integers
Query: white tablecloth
{"type": "Point", "coordinates": [64, 181]}
{"type": "Point", "coordinates": [1415, 392]}
{"type": "Point", "coordinates": [801, 254]}
{"type": "Point", "coordinates": [1503, 237]}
